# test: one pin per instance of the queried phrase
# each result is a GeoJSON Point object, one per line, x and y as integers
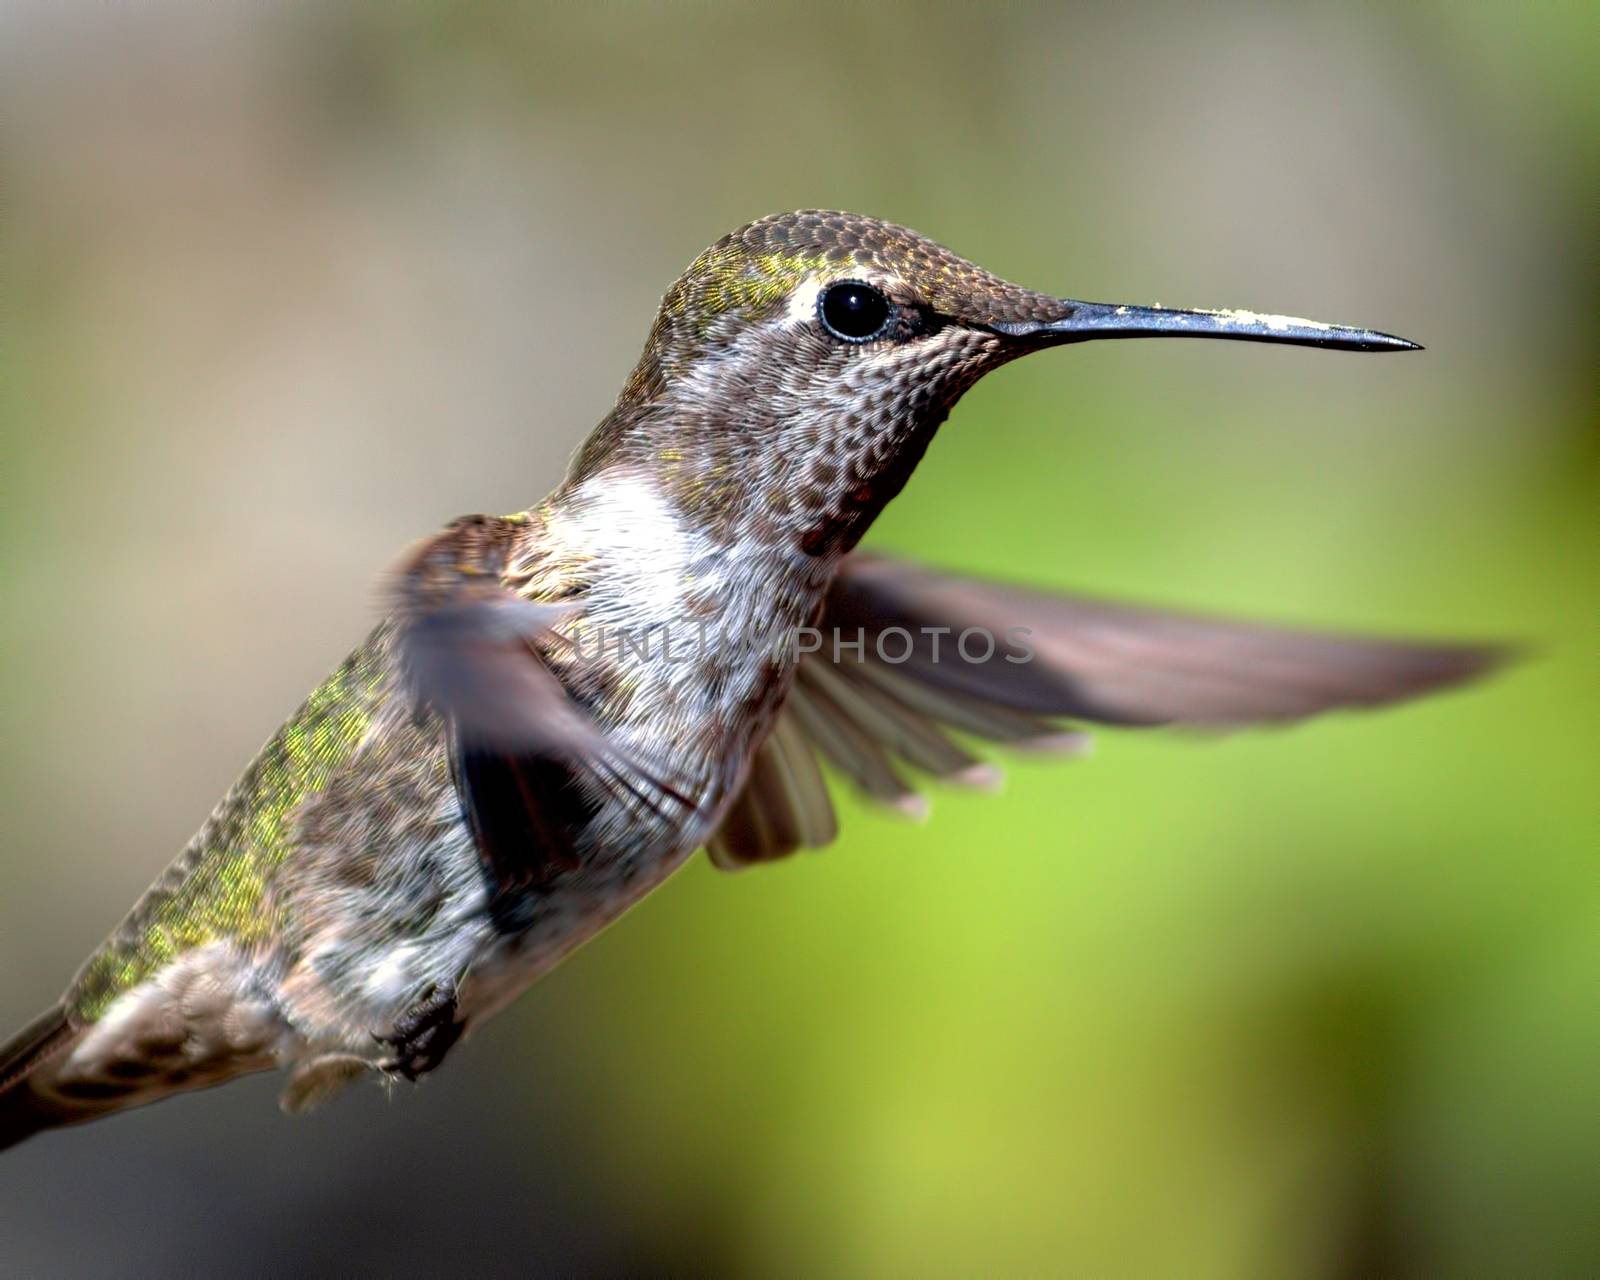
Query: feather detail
{"type": "Point", "coordinates": [528, 760]}
{"type": "Point", "coordinates": [1043, 658]}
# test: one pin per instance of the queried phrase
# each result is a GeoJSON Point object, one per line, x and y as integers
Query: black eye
{"type": "Point", "coordinates": [852, 311]}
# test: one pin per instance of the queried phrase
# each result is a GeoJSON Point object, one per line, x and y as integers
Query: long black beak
{"type": "Point", "coordinates": [1084, 321]}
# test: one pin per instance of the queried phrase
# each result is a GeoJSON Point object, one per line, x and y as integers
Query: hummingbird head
{"type": "Point", "coordinates": [798, 369]}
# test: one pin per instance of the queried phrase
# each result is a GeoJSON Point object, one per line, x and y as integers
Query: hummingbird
{"type": "Point", "coordinates": [561, 706]}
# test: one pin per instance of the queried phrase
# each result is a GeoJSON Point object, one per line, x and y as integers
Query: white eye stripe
{"type": "Point", "coordinates": [802, 307]}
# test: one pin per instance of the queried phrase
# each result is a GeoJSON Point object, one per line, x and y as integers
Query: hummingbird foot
{"type": "Point", "coordinates": [423, 1036]}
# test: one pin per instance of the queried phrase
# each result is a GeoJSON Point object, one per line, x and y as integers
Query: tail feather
{"type": "Point", "coordinates": [23, 1110]}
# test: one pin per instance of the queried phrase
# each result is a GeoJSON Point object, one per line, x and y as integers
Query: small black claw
{"type": "Point", "coordinates": [423, 1035]}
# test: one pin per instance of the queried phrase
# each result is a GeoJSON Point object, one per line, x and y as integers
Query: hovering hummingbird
{"type": "Point", "coordinates": [563, 705]}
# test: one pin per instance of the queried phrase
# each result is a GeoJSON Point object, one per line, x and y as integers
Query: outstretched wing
{"type": "Point", "coordinates": [942, 653]}
{"type": "Point", "coordinates": [530, 763]}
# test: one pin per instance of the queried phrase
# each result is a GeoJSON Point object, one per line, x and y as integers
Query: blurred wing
{"type": "Point", "coordinates": [1008, 665]}
{"type": "Point", "coordinates": [530, 764]}
{"type": "Point", "coordinates": [1116, 664]}
{"type": "Point", "coordinates": [784, 805]}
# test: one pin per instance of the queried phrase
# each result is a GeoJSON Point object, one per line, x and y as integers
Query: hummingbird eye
{"type": "Point", "coordinates": [853, 312]}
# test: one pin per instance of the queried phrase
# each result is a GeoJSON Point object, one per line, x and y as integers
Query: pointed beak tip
{"type": "Point", "coordinates": [1393, 342]}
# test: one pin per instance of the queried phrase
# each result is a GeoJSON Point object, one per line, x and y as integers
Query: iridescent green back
{"type": "Point", "coordinates": [218, 888]}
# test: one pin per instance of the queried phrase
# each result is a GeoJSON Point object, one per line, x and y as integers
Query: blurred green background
{"type": "Point", "coordinates": [290, 285]}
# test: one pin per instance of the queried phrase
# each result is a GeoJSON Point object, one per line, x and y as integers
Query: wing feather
{"type": "Point", "coordinates": [530, 763]}
{"type": "Point", "coordinates": [1039, 660]}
